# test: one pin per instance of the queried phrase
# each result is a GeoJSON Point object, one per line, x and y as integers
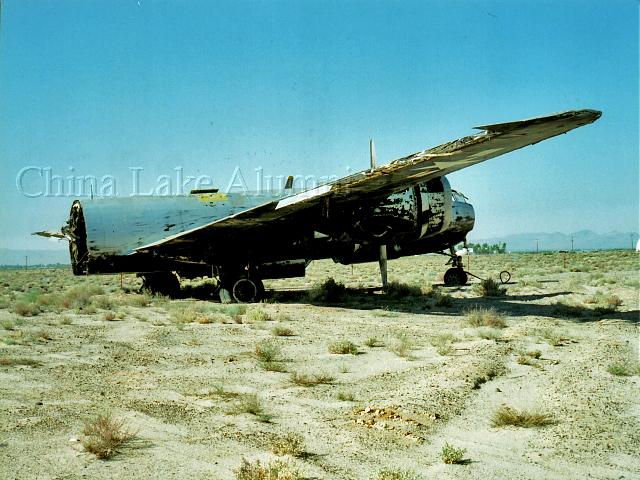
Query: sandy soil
{"type": "Point", "coordinates": [160, 376]}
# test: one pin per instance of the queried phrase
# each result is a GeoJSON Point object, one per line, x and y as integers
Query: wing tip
{"type": "Point", "coordinates": [586, 116]}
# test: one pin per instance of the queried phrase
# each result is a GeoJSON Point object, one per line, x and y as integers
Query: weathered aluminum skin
{"type": "Point", "coordinates": [118, 226]}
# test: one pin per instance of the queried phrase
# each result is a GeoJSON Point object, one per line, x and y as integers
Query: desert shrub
{"type": "Point", "coordinates": [443, 344]}
{"type": "Point", "coordinates": [9, 362]}
{"type": "Point", "coordinates": [186, 315]}
{"type": "Point", "coordinates": [441, 299]}
{"type": "Point", "coordinates": [508, 416]}
{"type": "Point", "coordinates": [399, 290]}
{"type": "Point", "coordinates": [552, 337]}
{"type": "Point", "coordinates": [266, 351]}
{"type": "Point", "coordinates": [343, 347]}
{"type": "Point", "coordinates": [489, 333]}
{"type": "Point", "coordinates": [624, 369]}
{"type": "Point", "coordinates": [328, 291]}
{"type": "Point", "coordinates": [249, 403]}
{"type": "Point", "coordinates": [345, 396]}
{"type": "Point", "coordinates": [274, 367]}
{"type": "Point", "coordinates": [281, 331]}
{"type": "Point", "coordinates": [489, 288]}
{"type": "Point", "coordinates": [402, 346]}
{"type": "Point", "coordinates": [396, 474]}
{"type": "Point", "coordinates": [80, 297]}
{"type": "Point", "coordinates": [8, 324]}
{"type": "Point", "coordinates": [25, 309]}
{"type": "Point", "coordinates": [372, 342]}
{"type": "Point", "coordinates": [274, 470]}
{"type": "Point", "coordinates": [485, 317]}
{"type": "Point", "coordinates": [233, 310]}
{"type": "Point", "coordinates": [104, 434]}
{"type": "Point", "coordinates": [487, 374]}
{"type": "Point", "coordinates": [258, 315]}
{"type": "Point", "coordinates": [452, 455]}
{"type": "Point", "coordinates": [311, 379]}
{"type": "Point", "coordinates": [109, 316]}
{"type": "Point", "coordinates": [288, 444]}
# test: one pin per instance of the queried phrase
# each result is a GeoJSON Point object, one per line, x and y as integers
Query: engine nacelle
{"type": "Point", "coordinates": [416, 212]}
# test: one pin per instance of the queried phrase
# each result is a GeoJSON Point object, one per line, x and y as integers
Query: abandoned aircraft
{"type": "Point", "coordinates": [405, 207]}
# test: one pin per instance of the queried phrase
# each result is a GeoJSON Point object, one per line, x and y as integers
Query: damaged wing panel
{"type": "Point", "coordinates": [497, 139]}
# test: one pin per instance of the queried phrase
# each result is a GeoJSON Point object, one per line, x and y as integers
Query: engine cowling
{"type": "Point", "coordinates": [416, 212]}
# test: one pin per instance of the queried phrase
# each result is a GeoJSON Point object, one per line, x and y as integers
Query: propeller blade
{"type": "Point", "coordinates": [383, 265]}
{"type": "Point", "coordinates": [372, 154]}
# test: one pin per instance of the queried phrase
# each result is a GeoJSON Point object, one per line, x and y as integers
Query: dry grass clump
{"type": "Point", "coordinates": [10, 362]}
{"type": "Point", "coordinates": [25, 309]}
{"type": "Point", "coordinates": [552, 337]}
{"type": "Point", "coordinates": [624, 369]}
{"type": "Point", "coordinates": [328, 291]}
{"type": "Point", "coordinates": [343, 347]}
{"type": "Point", "coordinates": [373, 342]}
{"type": "Point", "coordinates": [8, 324]}
{"type": "Point", "coordinates": [396, 474]}
{"type": "Point", "coordinates": [345, 396]}
{"type": "Point", "coordinates": [280, 331]}
{"type": "Point", "coordinates": [443, 344]}
{"type": "Point", "coordinates": [402, 346]}
{"type": "Point", "coordinates": [266, 351]}
{"type": "Point", "coordinates": [104, 434]}
{"type": "Point", "coordinates": [249, 403]}
{"type": "Point", "coordinates": [489, 288]}
{"type": "Point", "coordinates": [288, 444]}
{"type": "Point", "coordinates": [489, 333]}
{"type": "Point", "coordinates": [274, 470]}
{"type": "Point", "coordinates": [452, 455]}
{"type": "Point", "coordinates": [258, 315]}
{"type": "Point", "coordinates": [440, 299]}
{"type": "Point", "coordinates": [508, 416]}
{"type": "Point", "coordinates": [399, 290]}
{"type": "Point", "coordinates": [488, 373]}
{"type": "Point", "coordinates": [311, 379]}
{"type": "Point", "coordinates": [485, 317]}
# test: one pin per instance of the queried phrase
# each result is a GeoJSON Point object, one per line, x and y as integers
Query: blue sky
{"type": "Point", "coordinates": [299, 87]}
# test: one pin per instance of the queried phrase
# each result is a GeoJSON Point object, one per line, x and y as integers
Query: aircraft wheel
{"type": "Point", "coordinates": [161, 283]}
{"type": "Point", "coordinates": [247, 290]}
{"type": "Point", "coordinates": [455, 277]}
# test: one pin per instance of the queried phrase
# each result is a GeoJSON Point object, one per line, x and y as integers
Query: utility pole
{"type": "Point", "coordinates": [572, 242]}
{"type": "Point", "coordinates": [537, 249]}
{"type": "Point", "coordinates": [26, 262]}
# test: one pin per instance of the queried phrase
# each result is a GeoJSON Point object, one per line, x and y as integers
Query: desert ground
{"type": "Point", "coordinates": [534, 379]}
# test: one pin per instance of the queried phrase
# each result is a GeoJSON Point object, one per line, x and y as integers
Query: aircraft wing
{"type": "Point", "coordinates": [496, 139]}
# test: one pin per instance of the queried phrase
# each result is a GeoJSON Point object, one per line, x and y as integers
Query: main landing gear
{"type": "Point", "coordinates": [241, 288]}
{"type": "Point", "coordinates": [455, 276]}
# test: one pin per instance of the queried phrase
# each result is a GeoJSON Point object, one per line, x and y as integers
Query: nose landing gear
{"type": "Point", "coordinates": [455, 276]}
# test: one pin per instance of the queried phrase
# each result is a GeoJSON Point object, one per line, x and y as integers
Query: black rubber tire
{"type": "Point", "coordinates": [247, 290]}
{"type": "Point", "coordinates": [455, 277]}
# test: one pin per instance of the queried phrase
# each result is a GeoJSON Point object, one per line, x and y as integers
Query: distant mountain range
{"type": "Point", "coordinates": [522, 242]}
{"type": "Point", "coordinates": [582, 240]}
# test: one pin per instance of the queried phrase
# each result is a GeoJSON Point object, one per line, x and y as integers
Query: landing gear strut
{"type": "Point", "coordinates": [455, 276]}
